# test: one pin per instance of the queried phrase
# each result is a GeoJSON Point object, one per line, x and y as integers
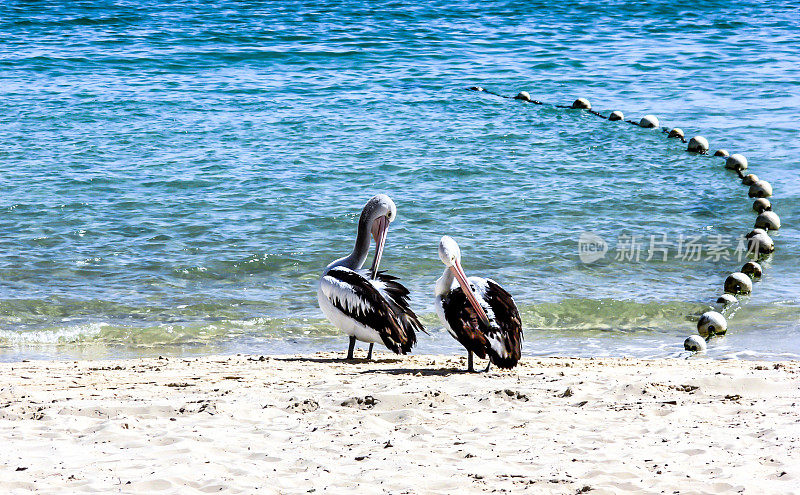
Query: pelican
{"type": "Point", "coordinates": [369, 305]}
{"type": "Point", "coordinates": [477, 312]}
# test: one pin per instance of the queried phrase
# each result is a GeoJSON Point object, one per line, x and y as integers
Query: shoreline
{"type": "Point", "coordinates": [417, 424]}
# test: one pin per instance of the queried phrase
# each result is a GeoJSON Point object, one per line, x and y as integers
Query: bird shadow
{"type": "Point", "coordinates": [339, 360]}
{"type": "Point", "coordinates": [422, 372]}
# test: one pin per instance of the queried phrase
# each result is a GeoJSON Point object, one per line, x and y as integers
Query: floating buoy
{"type": "Point", "coordinates": [712, 323]}
{"type": "Point", "coordinates": [760, 189]}
{"type": "Point", "coordinates": [736, 162]}
{"type": "Point", "coordinates": [722, 153]}
{"type": "Point", "coordinates": [738, 283]}
{"type": "Point", "coordinates": [752, 269]}
{"type": "Point", "coordinates": [749, 179]}
{"type": "Point", "coordinates": [698, 144]}
{"type": "Point", "coordinates": [759, 242]}
{"type": "Point", "coordinates": [649, 121]}
{"type": "Point", "coordinates": [695, 343]}
{"type": "Point", "coordinates": [616, 115]}
{"type": "Point", "coordinates": [676, 133]}
{"type": "Point", "coordinates": [523, 95]}
{"type": "Point", "coordinates": [582, 103]}
{"type": "Point", "coordinates": [768, 220]}
{"type": "Point", "coordinates": [476, 88]}
{"type": "Point", "coordinates": [727, 299]}
{"type": "Point", "coordinates": [761, 205]}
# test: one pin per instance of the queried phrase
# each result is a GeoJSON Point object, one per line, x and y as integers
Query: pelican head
{"type": "Point", "coordinates": [377, 214]}
{"type": "Point", "coordinates": [450, 254]}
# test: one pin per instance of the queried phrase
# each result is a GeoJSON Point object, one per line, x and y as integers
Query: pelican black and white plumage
{"type": "Point", "coordinates": [369, 305]}
{"type": "Point", "coordinates": [477, 312]}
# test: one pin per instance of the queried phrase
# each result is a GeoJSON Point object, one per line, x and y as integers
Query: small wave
{"type": "Point", "coordinates": [63, 335]}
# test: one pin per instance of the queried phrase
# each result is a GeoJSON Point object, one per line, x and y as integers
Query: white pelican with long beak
{"type": "Point", "coordinates": [477, 312]}
{"type": "Point", "coordinates": [369, 306]}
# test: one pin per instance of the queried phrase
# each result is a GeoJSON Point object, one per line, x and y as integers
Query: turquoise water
{"type": "Point", "coordinates": [177, 174]}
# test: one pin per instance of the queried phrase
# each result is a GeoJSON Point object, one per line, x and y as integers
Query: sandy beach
{"type": "Point", "coordinates": [305, 424]}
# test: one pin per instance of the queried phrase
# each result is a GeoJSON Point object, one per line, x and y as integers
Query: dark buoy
{"type": "Point", "coordinates": [649, 122]}
{"type": "Point", "coordinates": [712, 323]}
{"type": "Point", "coordinates": [698, 144]}
{"type": "Point", "coordinates": [738, 283]}
{"type": "Point", "coordinates": [727, 299]}
{"type": "Point", "coordinates": [722, 153]}
{"type": "Point", "coordinates": [582, 103]}
{"type": "Point", "coordinates": [749, 179]}
{"type": "Point", "coordinates": [523, 95]}
{"type": "Point", "coordinates": [768, 220]}
{"type": "Point", "coordinates": [676, 133]}
{"type": "Point", "coordinates": [761, 205]}
{"type": "Point", "coordinates": [476, 88]}
{"type": "Point", "coordinates": [616, 115]}
{"type": "Point", "coordinates": [695, 343]}
{"type": "Point", "coordinates": [752, 269]}
{"type": "Point", "coordinates": [736, 162]}
{"type": "Point", "coordinates": [760, 189]}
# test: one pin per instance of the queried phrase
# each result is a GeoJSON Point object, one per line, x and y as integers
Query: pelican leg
{"type": "Point", "coordinates": [369, 354]}
{"type": "Point", "coordinates": [351, 348]}
{"type": "Point", "coordinates": [470, 367]}
{"type": "Point", "coordinates": [488, 365]}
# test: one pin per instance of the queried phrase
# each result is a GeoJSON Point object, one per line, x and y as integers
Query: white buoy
{"type": "Point", "coordinates": [752, 269]}
{"type": "Point", "coordinates": [616, 115]}
{"type": "Point", "coordinates": [727, 299]}
{"type": "Point", "coordinates": [523, 95]}
{"type": "Point", "coordinates": [768, 220]}
{"type": "Point", "coordinates": [676, 133]}
{"type": "Point", "coordinates": [759, 242]}
{"type": "Point", "coordinates": [736, 162]}
{"type": "Point", "coordinates": [760, 189]}
{"type": "Point", "coordinates": [698, 144]}
{"type": "Point", "coordinates": [582, 103]}
{"type": "Point", "coordinates": [749, 179]}
{"type": "Point", "coordinates": [738, 283]}
{"type": "Point", "coordinates": [712, 323]}
{"type": "Point", "coordinates": [761, 205]}
{"type": "Point", "coordinates": [649, 122]}
{"type": "Point", "coordinates": [722, 153]}
{"type": "Point", "coordinates": [695, 343]}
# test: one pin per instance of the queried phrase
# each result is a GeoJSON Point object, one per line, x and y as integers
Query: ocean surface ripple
{"type": "Point", "coordinates": [175, 175]}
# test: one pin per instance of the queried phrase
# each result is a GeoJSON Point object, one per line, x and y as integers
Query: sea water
{"type": "Point", "coordinates": [175, 175]}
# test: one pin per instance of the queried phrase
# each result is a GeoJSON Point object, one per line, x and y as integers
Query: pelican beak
{"type": "Point", "coordinates": [467, 288]}
{"type": "Point", "coordinates": [380, 227]}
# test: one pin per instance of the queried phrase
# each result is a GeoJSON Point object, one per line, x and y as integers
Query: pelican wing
{"type": "Point", "coordinates": [465, 325]}
{"type": "Point", "coordinates": [504, 335]}
{"type": "Point", "coordinates": [397, 297]}
{"type": "Point", "coordinates": [380, 304]}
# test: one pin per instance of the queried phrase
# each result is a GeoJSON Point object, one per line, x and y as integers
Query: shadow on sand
{"type": "Point", "coordinates": [393, 371]}
{"type": "Point", "coordinates": [422, 372]}
{"type": "Point", "coordinates": [339, 360]}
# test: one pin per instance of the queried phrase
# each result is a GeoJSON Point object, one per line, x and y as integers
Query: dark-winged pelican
{"type": "Point", "coordinates": [477, 312]}
{"type": "Point", "coordinates": [369, 305]}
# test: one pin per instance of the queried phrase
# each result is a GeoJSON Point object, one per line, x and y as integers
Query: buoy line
{"type": "Point", "coordinates": [759, 243]}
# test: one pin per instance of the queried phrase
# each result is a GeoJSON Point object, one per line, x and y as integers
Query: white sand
{"type": "Point", "coordinates": [301, 425]}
